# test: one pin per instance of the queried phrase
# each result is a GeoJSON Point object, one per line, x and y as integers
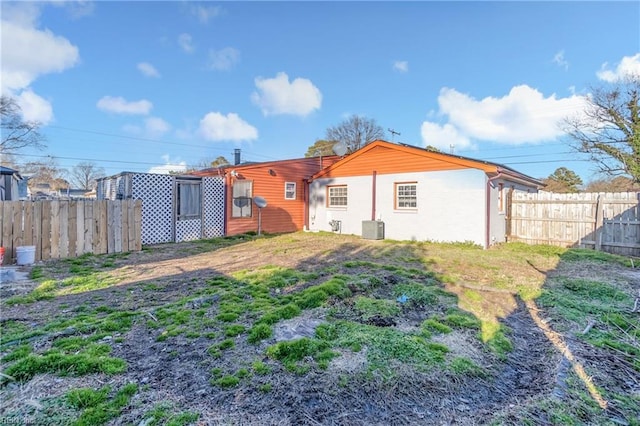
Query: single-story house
{"type": "Point", "coordinates": [282, 184]}
{"type": "Point", "coordinates": [9, 183]}
{"type": "Point", "coordinates": [404, 192]}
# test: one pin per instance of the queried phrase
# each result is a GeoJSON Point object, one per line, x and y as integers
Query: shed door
{"type": "Point", "coordinates": [188, 209]}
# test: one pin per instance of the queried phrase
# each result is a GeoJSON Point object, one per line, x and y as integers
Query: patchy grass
{"type": "Point", "coordinates": [165, 413]}
{"type": "Point", "coordinates": [394, 310]}
{"type": "Point", "coordinates": [98, 407]}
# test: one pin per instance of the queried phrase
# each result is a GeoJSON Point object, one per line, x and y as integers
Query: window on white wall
{"type": "Point", "coordinates": [242, 194]}
{"type": "Point", "coordinates": [337, 196]}
{"type": "Point", "coordinates": [289, 190]}
{"type": "Point", "coordinates": [406, 196]}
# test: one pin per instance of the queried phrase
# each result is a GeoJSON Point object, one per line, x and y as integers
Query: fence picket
{"type": "Point", "coordinates": [604, 221]}
{"type": "Point", "coordinates": [61, 229]}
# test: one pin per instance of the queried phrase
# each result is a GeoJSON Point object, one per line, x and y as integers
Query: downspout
{"type": "Point", "coordinates": [488, 218]}
{"type": "Point", "coordinates": [305, 200]}
{"type": "Point", "coordinates": [373, 196]}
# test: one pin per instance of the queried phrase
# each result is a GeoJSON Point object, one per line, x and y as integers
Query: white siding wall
{"type": "Point", "coordinates": [451, 206]}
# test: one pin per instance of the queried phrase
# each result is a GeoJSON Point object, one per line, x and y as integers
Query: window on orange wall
{"type": "Point", "coordinates": [501, 197]}
{"type": "Point", "coordinates": [289, 190]}
{"type": "Point", "coordinates": [337, 196]}
{"type": "Point", "coordinates": [406, 196]}
{"type": "Point", "coordinates": [242, 196]}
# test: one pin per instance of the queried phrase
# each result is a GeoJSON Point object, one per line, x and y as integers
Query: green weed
{"type": "Point", "coordinates": [368, 308]}
{"type": "Point", "coordinates": [259, 332]}
{"type": "Point", "coordinates": [97, 408]}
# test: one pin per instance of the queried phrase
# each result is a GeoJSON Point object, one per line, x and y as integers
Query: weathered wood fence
{"type": "Point", "coordinates": [61, 229]}
{"type": "Point", "coordinates": [604, 221]}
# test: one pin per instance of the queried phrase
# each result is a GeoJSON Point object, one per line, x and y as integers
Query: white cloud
{"type": "Point", "coordinates": [278, 96]}
{"type": "Point", "coordinates": [401, 66]}
{"type": "Point", "coordinates": [205, 13]}
{"type": "Point", "coordinates": [629, 66]}
{"type": "Point", "coordinates": [34, 107]}
{"type": "Point", "coordinates": [119, 105]}
{"type": "Point", "coordinates": [522, 116]}
{"type": "Point", "coordinates": [442, 136]}
{"type": "Point", "coordinates": [223, 60]}
{"type": "Point", "coordinates": [148, 70]}
{"type": "Point", "coordinates": [155, 126]}
{"type": "Point", "coordinates": [28, 52]}
{"type": "Point", "coordinates": [219, 127]}
{"type": "Point", "coordinates": [186, 43]}
{"type": "Point", "coordinates": [559, 60]}
{"type": "Point", "coordinates": [170, 165]}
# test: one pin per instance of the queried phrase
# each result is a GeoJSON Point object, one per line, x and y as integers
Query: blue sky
{"type": "Point", "coordinates": [150, 86]}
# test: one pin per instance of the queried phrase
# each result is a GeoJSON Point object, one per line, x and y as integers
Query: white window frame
{"type": "Point", "coordinates": [401, 200]}
{"type": "Point", "coordinates": [290, 189]}
{"type": "Point", "coordinates": [332, 198]}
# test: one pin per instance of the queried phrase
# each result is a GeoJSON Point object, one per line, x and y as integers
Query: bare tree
{"type": "Point", "coordinates": [355, 132]}
{"type": "Point", "coordinates": [85, 174]}
{"type": "Point", "coordinates": [17, 133]}
{"type": "Point", "coordinates": [45, 172]}
{"type": "Point", "coordinates": [609, 130]}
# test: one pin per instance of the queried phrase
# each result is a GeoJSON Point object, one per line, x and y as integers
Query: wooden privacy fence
{"type": "Point", "coordinates": [60, 229]}
{"type": "Point", "coordinates": [604, 221]}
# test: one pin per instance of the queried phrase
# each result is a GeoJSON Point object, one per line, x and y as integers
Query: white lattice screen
{"type": "Point", "coordinates": [213, 206]}
{"type": "Point", "coordinates": [156, 193]}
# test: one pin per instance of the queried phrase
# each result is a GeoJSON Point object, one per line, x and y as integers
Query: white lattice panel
{"type": "Point", "coordinates": [188, 230]}
{"type": "Point", "coordinates": [156, 193]}
{"type": "Point", "coordinates": [213, 206]}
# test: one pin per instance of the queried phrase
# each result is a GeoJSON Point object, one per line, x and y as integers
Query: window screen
{"type": "Point", "coordinates": [242, 195]}
{"type": "Point", "coordinates": [189, 200]}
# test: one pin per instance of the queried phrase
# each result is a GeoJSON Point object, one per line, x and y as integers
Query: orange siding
{"type": "Point", "coordinates": [280, 215]}
{"type": "Point", "coordinates": [387, 158]}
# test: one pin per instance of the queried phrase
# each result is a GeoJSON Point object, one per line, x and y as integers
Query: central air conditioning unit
{"type": "Point", "coordinates": [372, 229]}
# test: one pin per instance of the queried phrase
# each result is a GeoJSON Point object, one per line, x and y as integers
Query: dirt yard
{"type": "Point", "coordinates": [509, 357]}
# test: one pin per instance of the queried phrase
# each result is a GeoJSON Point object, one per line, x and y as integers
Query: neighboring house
{"type": "Point", "coordinates": [174, 208]}
{"type": "Point", "coordinates": [417, 194]}
{"type": "Point", "coordinates": [9, 184]}
{"type": "Point", "coordinates": [283, 184]}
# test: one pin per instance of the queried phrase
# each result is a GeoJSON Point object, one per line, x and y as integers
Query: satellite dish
{"type": "Point", "coordinates": [260, 202]}
{"type": "Point", "coordinates": [340, 148]}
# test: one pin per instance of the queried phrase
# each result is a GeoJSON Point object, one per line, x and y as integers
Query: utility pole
{"type": "Point", "coordinates": [393, 134]}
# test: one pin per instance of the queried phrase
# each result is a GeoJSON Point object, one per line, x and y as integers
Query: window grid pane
{"type": "Point", "coordinates": [290, 191]}
{"type": "Point", "coordinates": [337, 196]}
{"type": "Point", "coordinates": [406, 196]}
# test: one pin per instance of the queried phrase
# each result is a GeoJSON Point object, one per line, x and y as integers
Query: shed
{"type": "Point", "coordinates": [9, 184]}
{"type": "Point", "coordinates": [174, 207]}
{"type": "Point", "coordinates": [410, 193]}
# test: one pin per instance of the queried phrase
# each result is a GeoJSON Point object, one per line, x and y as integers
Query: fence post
{"type": "Point", "coordinates": [599, 223]}
{"type": "Point", "coordinates": [507, 213]}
